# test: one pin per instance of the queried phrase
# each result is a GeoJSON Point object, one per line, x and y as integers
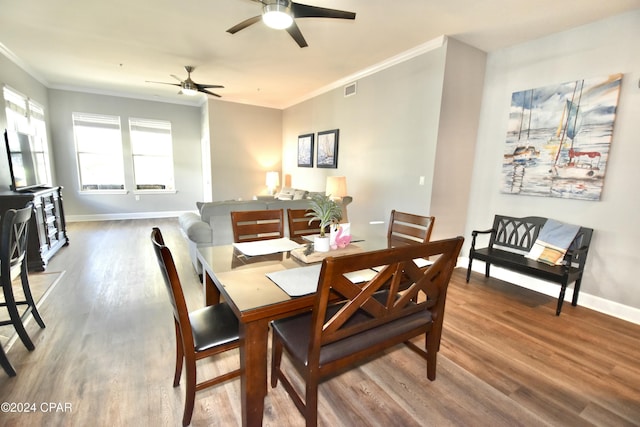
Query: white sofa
{"type": "Point", "coordinates": [211, 226]}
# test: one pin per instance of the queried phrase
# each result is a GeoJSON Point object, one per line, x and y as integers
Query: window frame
{"type": "Point", "coordinates": [161, 126]}
{"type": "Point", "coordinates": [25, 115]}
{"type": "Point", "coordinates": [107, 120]}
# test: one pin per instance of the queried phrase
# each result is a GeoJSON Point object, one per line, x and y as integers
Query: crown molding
{"type": "Point", "coordinates": [433, 44]}
{"type": "Point", "coordinates": [20, 63]}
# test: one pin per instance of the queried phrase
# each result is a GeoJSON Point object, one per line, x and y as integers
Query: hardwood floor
{"type": "Point", "coordinates": [106, 357]}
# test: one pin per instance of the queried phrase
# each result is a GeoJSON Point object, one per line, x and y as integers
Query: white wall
{"type": "Point", "coordinates": [603, 48]}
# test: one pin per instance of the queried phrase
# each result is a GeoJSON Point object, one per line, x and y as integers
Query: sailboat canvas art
{"type": "Point", "coordinates": [559, 138]}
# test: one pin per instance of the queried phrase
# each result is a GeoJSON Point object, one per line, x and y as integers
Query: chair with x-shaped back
{"type": "Point", "coordinates": [367, 318]}
{"type": "Point", "coordinates": [13, 263]}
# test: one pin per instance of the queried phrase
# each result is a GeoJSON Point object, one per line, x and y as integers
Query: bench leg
{"type": "Point", "coordinates": [576, 291]}
{"type": "Point", "coordinates": [563, 290]}
{"type": "Point", "coordinates": [487, 267]}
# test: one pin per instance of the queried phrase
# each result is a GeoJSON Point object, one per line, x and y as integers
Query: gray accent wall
{"type": "Point", "coordinates": [246, 142]}
{"type": "Point", "coordinates": [415, 119]}
{"type": "Point", "coordinates": [186, 132]}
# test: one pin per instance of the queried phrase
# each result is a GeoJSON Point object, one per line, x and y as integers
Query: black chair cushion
{"type": "Point", "coordinates": [213, 326]}
{"type": "Point", "coordinates": [295, 334]}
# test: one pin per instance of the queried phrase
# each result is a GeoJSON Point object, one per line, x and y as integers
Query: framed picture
{"type": "Point", "coordinates": [305, 151]}
{"type": "Point", "coordinates": [328, 149]}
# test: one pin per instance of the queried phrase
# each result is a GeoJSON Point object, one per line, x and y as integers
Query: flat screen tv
{"type": "Point", "coordinates": [26, 161]}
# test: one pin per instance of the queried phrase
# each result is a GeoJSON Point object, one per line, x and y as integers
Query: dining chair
{"type": "Point", "coordinates": [251, 226]}
{"type": "Point", "coordinates": [299, 224]}
{"type": "Point", "coordinates": [199, 334]}
{"type": "Point", "coordinates": [408, 229]}
{"type": "Point", "coordinates": [13, 263]}
{"type": "Point", "coordinates": [369, 317]}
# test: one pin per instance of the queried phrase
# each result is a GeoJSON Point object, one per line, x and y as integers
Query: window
{"type": "Point", "coordinates": [16, 110]}
{"type": "Point", "coordinates": [152, 151]}
{"type": "Point", "coordinates": [99, 150]}
{"type": "Point", "coordinates": [27, 116]}
{"type": "Point", "coordinates": [40, 146]}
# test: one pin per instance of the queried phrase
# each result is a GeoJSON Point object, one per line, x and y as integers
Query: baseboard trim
{"type": "Point", "coordinates": [121, 216]}
{"type": "Point", "coordinates": [611, 308]}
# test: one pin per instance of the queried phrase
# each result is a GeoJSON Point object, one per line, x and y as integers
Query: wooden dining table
{"type": "Point", "coordinates": [242, 283]}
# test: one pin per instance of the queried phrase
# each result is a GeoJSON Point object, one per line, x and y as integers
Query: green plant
{"type": "Point", "coordinates": [325, 210]}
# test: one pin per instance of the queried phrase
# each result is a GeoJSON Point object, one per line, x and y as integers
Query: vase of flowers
{"type": "Point", "coordinates": [328, 212]}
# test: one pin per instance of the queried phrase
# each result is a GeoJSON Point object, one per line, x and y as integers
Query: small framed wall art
{"type": "Point", "coordinates": [305, 151]}
{"type": "Point", "coordinates": [328, 149]}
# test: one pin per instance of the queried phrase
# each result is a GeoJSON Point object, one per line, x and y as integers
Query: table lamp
{"type": "Point", "coordinates": [273, 181]}
{"type": "Point", "coordinates": [336, 187]}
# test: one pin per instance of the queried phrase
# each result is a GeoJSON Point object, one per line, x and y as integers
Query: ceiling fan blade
{"type": "Point", "coordinates": [208, 86]}
{"type": "Point", "coordinates": [294, 31]}
{"type": "Point", "coordinates": [244, 24]}
{"type": "Point", "coordinates": [210, 93]}
{"type": "Point", "coordinates": [304, 11]}
{"type": "Point", "coordinates": [165, 83]}
{"type": "Point", "coordinates": [176, 77]}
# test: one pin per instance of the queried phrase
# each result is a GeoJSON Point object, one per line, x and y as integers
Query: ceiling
{"type": "Point", "coordinates": [116, 46]}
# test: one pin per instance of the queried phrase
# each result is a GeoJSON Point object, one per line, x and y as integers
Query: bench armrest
{"type": "Point", "coordinates": [570, 254]}
{"type": "Point", "coordinates": [475, 233]}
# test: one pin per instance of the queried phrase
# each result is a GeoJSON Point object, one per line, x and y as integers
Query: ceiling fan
{"type": "Point", "coordinates": [189, 87]}
{"type": "Point", "coordinates": [281, 14]}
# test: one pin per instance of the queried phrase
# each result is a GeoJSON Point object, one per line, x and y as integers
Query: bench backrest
{"type": "Point", "coordinates": [362, 307]}
{"type": "Point", "coordinates": [519, 235]}
{"type": "Point", "coordinates": [516, 233]}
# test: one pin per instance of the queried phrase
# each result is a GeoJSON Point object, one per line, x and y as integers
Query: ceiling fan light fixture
{"type": "Point", "coordinates": [189, 88]}
{"type": "Point", "coordinates": [277, 15]}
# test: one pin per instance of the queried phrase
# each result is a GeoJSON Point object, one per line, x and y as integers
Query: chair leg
{"type": "Point", "coordinates": [469, 269]}
{"type": "Point", "coordinates": [190, 397]}
{"type": "Point", "coordinates": [311, 402]}
{"type": "Point", "coordinates": [16, 320]}
{"type": "Point", "coordinates": [432, 355]}
{"type": "Point", "coordinates": [29, 297]}
{"type": "Point", "coordinates": [4, 361]}
{"type": "Point", "coordinates": [276, 358]}
{"type": "Point", "coordinates": [179, 356]}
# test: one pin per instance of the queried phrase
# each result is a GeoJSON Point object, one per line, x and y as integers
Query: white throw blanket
{"type": "Point", "coordinates": [553, 241]}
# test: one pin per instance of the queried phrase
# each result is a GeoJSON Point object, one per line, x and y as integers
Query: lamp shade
{"type": "Point", "coordinates": [272, 181]}
{"type": "Point", "coordinates": [336, 186]}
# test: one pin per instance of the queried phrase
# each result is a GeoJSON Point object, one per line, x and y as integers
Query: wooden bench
{"type": "Point", "coordinates": [512, 238]}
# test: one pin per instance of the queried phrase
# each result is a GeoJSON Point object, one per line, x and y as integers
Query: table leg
{"type": "Point", "coordinates": [253, 363]}
{"type": "Point", "coordinates": [211, 292]}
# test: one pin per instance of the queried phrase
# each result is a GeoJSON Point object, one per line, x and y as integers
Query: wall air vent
{"type": "Point", "coordinates": [350, 89]}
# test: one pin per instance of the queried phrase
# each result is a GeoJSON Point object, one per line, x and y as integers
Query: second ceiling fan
{"type": "Point", "coordinates": [281, 14]}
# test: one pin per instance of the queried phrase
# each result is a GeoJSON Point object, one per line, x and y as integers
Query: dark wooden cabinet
{"type": "Point", "coordinates": [47, 230]}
